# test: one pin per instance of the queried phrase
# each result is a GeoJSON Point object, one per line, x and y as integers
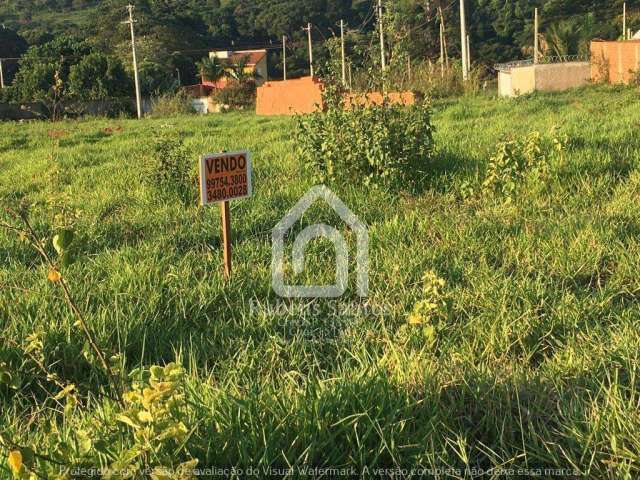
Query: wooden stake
{"type": "Point", "coordinates": [226, 238]}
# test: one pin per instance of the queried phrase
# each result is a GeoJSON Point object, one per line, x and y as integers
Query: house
{"type": "Point", "coordinates": [254, 61]}
{"type": "Point", "coordinates": [615, 62]}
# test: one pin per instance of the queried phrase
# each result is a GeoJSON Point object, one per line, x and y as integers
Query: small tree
{"type": "Point", "coordinates": [98, 77]}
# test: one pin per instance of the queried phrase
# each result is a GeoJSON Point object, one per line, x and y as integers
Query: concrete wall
{"type": "Point", "coordinates": [504, 84]}
{"type": "Point", "coordinates": [30, 111]}
{"type": "Point", "coordinates": [615, 62]}
{"type": "Point", "coordinates": [553, 77]}
{"type": "Point", "coordinates": [523, 80]}
{"type": "Point", "coordinates": [557, 77]}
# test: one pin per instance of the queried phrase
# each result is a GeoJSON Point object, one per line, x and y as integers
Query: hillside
{"type": "Point", "coordinates": [499, 30]}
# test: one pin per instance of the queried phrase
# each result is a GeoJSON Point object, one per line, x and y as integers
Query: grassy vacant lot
{"type": "Point", "coordinates": [536, 364]}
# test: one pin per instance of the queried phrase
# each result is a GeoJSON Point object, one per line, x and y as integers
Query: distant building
{"type": "Point", "coordinates": [615, 62]}
{"type": "Point", "coordinates": [254, 61]}
{"type": "Point", "coordinates": [254, 64]}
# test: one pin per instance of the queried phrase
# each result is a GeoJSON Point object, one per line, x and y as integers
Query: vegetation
{"type": "Point", "coordinates": [169, 104]}
{"type": "Point", "coordinates": [238, 94]}
{"type": "Point", "coordinates": [65, 71]}
{"type": "Point", "coordinates": [172, 36]}
{"type": "Point", "coordinates": [384, 145]}
{"type": "Point", "coordinates": [496, 335]}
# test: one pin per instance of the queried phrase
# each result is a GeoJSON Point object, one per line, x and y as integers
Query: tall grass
{"type": "Point", "coordinates": [535, 365]}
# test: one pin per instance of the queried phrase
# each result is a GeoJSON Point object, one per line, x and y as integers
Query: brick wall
{"type": "Point", "coordinates": [302, 95]}
{"type": "Point", "coordinates": [616, 60]}
{"type": "Point", "coordinates": [376, 98]}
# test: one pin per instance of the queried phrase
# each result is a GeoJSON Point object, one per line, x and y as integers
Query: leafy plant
{"type": "Point", "coordinates": [170, 167]}
{"type": "Point", "coordinates": [158, 415]}
{"type": "Point", "coordinates": [153, 422]}
{"type": "Point", "coordinates": [431, 311]}
{"type": "Point", "coordinates": [514, 160]}
{"type": "Point", "coordinates": [384, 145]}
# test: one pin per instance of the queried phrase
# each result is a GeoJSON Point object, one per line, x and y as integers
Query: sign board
{"type": "Point", "coordinates": [225, 176]}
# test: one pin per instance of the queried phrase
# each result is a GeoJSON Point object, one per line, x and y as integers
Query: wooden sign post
{"type": "Point", "coordinates": [223, 177]}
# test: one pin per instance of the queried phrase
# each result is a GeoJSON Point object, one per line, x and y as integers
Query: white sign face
{"type": "Point", "coordinates": [225, 176]}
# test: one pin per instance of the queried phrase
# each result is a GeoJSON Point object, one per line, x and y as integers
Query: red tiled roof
{"type": "Point", "coordinates": [252, 57]}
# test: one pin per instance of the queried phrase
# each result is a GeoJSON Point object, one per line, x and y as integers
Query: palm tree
{"type": "Point", "coordinates": [210, 69]}
{"type": "Point", "coordinates": [569, 37]}
{"type": "Point", "coordinates": [239, 73]}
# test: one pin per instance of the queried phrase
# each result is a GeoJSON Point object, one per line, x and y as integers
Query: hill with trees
{"type": "Point", "coordinates": [174, 35]}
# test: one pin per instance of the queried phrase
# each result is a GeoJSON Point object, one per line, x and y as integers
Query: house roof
{"type": "Point", "coordinates": [253, 57]}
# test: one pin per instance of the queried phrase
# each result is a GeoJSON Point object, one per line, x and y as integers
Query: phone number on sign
{"type": "Point", "coordinates": [228, 181]}
{"type": "Point", "coordinates": [227, 193]}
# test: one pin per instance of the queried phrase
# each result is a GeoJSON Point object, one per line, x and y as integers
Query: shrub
{"type": "Point", "coordinates": [170, 104]}
{"type": "Point", "coordinates": [518, 159]}
{"type": "Point", "coordinates": [385, 145]}
{"type": "Point", "coordinates": [170, 168]}
{"type": "Point", "coordinates": [238, 94]}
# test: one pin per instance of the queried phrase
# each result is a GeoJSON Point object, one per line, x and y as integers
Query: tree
{"type": "Point", "coordinates": [64, 71]}
{"type": "Point", "coordinates": [12, 45]}
{"type": "Point", "coordinates": [98, 77]}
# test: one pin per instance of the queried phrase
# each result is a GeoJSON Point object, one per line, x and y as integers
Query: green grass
{"type": "Point", "coordinates": [536, 366]}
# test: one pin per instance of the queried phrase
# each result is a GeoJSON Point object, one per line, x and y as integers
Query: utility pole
{"type": "Point", "coordinates": [1, 75]}
{"type": "Point", "coordinates": [441, 51]}
{"type": "Point", "coordinates": [468, 54]}
{"type": "Point", "coordinates": [535, 38]}
{"type": "Point", "coordinates": [382, 48]}
{"type": "Point", "coordinates": [624, 21]}
{"type": "Point", "coordinates": [463, 41]}
{"type": "Point", "coordinates": [308, 29]}
{"type": "Point", "coordinates": [444, 39]}
{"type": "Point", "coordinates": [284, 55]}
{"type": "Point", "coordinates": [409, 67]}
{"type": "Point", "coordinates": [344, 60]}
{"type": "Point", "coordinates": [135, 60]}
